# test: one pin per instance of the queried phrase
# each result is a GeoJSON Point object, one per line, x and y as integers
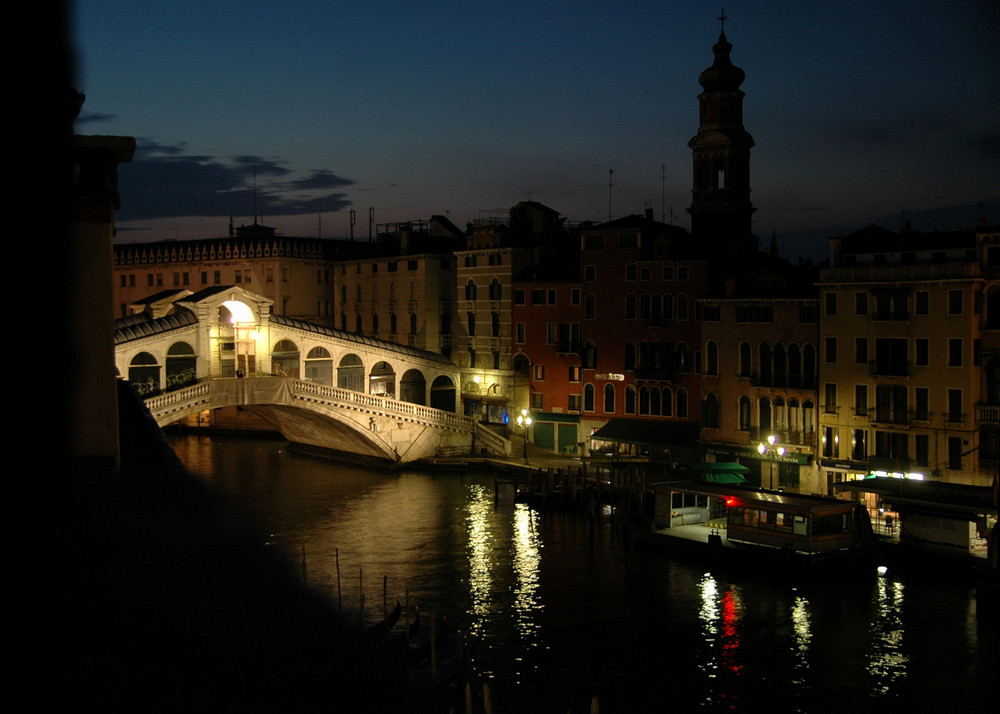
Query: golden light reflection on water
{"type": "Point", "coordinates": [527, 560]}
{"type": "Point", "coordinates": [802, 632]}
{"type": "Point", "coordinates": [887, 661]}
{"type": "Point", "coordinates": [477, 525]}
{"type": "Point", "coordinates": [504, 551]}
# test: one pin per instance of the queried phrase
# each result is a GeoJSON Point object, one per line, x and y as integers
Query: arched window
{"type": "Point", "coordinates": [644, 400]}
{"type": "Point", "coordinates": [644, 307]}
{"type": "Point", "coordinates": [668, 403]}
{"type": "Point", "coordinates": [764, 415]}
{"type": "Point", "coordinates": [808, 414]}
{"type": "Point", "coordinates": [470, 290]}
{"type": "Point", "coordinates": [588, 397]}
{"type": "Point", "coordinates": [681, 358]}
{"type": "Point", "coordinates": [319, 366]}
{"type": "Point", "coordinates": [746, 359]}
{"type": "Point", "coordinates": [413, 323]}
{"type": "Point", "coordinates": [630, 308]}
{"type": "Point", "coordinates": [589, 355]}
{"type": "Point", "coordinates": [654, 401]}
{"type": "Point", "coordinates": [794, 415]}
{"type": "Point", "coordinates": [711, 357]}
{"type": "Point", "coordinates": [630, 399]}
{"type": "Point", "coordinates": [656, 311]}
{"type": "Point", "coordinates": [710, 411]}
{"type": "Point", "coordinates": [495, 289]}
{"type": "Point", "coordinates": [144, 374]}
{"type": "Point", "coordinates": [745, 413]}
{"type": "Point", "coordinates": [351, 373]}
{"type": "Point", "coordinates": [780, 424]}
{"type": "Point", "coordinates": [609, 398]}
{"type": "Point", "coordinates": [682, 403]}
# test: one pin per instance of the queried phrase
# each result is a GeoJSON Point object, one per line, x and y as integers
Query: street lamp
{"type": "Point", "coordinates": [771, 452]}
{"type": "Point", "coordinates": [524, 421]}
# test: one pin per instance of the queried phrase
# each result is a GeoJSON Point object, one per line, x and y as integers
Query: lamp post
{"type": "Point", "coordinates": [771, 453]}
{"type": "Point", "coordinates": [524, 421]}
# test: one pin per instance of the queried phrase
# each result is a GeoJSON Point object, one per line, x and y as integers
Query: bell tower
{"type": "Point", "coordinates": [720, 207]}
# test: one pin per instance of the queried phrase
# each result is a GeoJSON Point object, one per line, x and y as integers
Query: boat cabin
{"type": "Point", "coordinates": [773, 519]}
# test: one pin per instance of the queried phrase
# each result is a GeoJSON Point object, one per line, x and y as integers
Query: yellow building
{"type": "Point", "coordinates": [900, 370]}
{"type": "Point", "coordinates": [295, 273]}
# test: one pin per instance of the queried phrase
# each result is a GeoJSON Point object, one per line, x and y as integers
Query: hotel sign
{"type": "Point", "coordinates": [611, 377]}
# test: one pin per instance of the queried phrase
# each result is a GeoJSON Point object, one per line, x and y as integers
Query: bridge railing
{"type": "Point", "coordinates": [494, 443]}
{"type": "Point", "coordinates": [385, 405]}
{"type": "Point", "coordinates": [180, 400]}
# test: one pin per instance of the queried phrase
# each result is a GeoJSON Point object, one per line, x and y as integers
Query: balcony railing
{"type": "Point", "coordinates": [988, 414]}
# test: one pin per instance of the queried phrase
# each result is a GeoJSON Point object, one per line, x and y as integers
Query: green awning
{"type": "Point", "coordinates": [721, 471]}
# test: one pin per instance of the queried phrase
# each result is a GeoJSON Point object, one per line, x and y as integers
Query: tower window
{"type": "Point", "coordinates": [721, 178]}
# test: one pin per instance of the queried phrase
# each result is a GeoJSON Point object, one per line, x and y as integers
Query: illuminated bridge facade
{"type": "Point", "coordinates": [190, 353]}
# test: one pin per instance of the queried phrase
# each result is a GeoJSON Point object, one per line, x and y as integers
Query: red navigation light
{"type": "Point", "coordinates": [730, 501]}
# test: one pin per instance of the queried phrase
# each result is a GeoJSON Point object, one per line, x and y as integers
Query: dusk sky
{"type": "Point", "coordinates": [861, 112]}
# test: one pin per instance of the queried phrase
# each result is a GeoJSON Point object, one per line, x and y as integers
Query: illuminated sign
{"type": "Point", "coordinates": [611, 377]}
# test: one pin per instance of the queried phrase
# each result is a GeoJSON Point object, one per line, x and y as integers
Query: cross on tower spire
{"type": "Point", "coordinates": [722, 18]}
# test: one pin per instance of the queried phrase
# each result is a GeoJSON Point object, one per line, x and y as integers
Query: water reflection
{"type": "Point", "coordinates": [720, 612]}
{"type": "Point", "coordinates": [527, 561]}
{"type": "Point", "coordinates": [477, 524]}
{"type": "Point", "coordinates": [887, 662]}
{"type": "Point", "coordinates": [802, 634]}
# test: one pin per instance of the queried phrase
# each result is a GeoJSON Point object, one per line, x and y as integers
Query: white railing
{"type": "Point", "coordinates": [379, 404]}
{"type": "Point", "coordinates": [226, 392]}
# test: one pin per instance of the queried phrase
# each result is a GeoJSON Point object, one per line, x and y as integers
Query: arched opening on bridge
{"type": "Point", "coordinates": [319, 366]}
{"type": "Point", "coordinates": [285, 359]}
{"type": "Point", "coordinates": [413, 387]}
{"type": "Point", "coordinates": [443, 394]}
{"type": "Point", "coordinates": [182, 365]}
{"type": "Point", "coordinates": [237, 339]}
{"type": "Point", "coordinates": [351, 373]}
{"type": "Point", "coordinates": [144, 374]}
{"type": "Point", "coordinates": [382, 381]}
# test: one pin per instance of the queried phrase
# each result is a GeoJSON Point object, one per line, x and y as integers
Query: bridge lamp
{"type": "Point", "coordinates": [771, 453]}
{"type": "Point", "coordinates": [524, 421]}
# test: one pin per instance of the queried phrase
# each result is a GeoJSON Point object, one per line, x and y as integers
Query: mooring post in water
{"type": "Point", "coordinates": [305, 583]}
{"type": "Point", "coordinates": [340, 600]}
{"type": "Point", "coordinates": [433, 650]}
{"type": "Point", "coordinates": [385, 604]}
{"type": "Point", "coordinates": [361, 597]}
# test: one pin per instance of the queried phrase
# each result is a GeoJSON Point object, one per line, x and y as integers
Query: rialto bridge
{"type": "Point", "coordinates": [190, 353]}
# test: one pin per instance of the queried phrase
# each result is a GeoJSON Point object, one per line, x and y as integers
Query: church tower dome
{"type": "Point", "coordinates": [721, 212]}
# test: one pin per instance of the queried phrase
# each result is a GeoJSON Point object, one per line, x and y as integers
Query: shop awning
{"type": "Point", "coordinates": [721, 471]}
{"type": "Point", "coordinates": [649, 433]}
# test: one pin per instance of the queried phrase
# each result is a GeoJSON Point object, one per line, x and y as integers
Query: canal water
{"type": "Point", "coordinates": [565, 610]}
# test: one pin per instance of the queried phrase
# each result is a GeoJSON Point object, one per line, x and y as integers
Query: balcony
{"type": "Point", "coordinates": [988, 414]}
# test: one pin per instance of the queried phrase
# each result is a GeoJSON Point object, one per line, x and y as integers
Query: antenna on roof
{"type": "Point", "coordinates": [663, 193]}
{"type": "Point", "coordinates": [254, 193]}
{"type": "Point", "coordinates": [611, 173]}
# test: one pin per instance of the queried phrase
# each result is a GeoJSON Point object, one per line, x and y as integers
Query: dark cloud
{"type": "Point", "coordinates": [94, 118]}
{"type": "Point", "coordinates": [163, 181]}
